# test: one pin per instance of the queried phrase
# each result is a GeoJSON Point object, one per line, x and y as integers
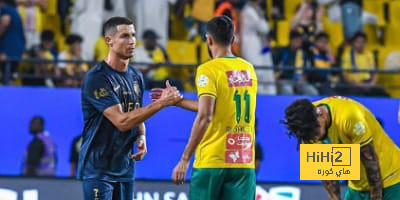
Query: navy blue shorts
{"type": "Point", "coordinates": [104, 190]}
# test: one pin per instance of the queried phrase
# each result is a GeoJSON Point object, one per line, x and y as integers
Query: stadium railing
{"type": "Point", "coordinates": [9, 71]}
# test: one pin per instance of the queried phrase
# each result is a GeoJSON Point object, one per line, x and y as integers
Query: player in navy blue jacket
{"type": "Point", "coordinates": [112, 98]}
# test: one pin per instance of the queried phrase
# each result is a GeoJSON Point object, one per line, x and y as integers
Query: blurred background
{"type": "Point", "coordinates": [311, 48]}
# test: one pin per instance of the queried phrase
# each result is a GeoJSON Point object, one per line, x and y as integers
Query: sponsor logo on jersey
{"type": "Point", "coordinates": [239, 78]}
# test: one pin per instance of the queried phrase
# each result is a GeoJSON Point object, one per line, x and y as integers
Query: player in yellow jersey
{"type": "Point", "coordinates": [223, 131]}
{"type": "Point", "coordinates": [339, 120]}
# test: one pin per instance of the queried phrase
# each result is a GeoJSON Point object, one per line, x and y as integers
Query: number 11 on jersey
{"type": "Point", "coordinates": [238, 100]}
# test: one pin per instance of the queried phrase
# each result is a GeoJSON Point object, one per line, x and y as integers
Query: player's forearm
{"type": "Point", "coordinates": [188, 105]}
{"type": "Point", "coordinates": [199, 128]}
{"type": "Point", "coordinates": [297, 17]}
{"type": "Point", "coordinates": [371, 163]}
{"type": "Point", "coordinates": [333, 188]}
{"type": "Point", "coordinates": [138, 116]}
{"type": "Point", "coordinates": [142, 129]}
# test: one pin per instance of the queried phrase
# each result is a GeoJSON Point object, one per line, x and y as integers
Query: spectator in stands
{"type": "Point", "coordinates": [44, 48]}
{"type": "Point", "coordinates": [391, 81]}
{"type": "Point", "coordinates": [87, 21]}
{"type": "Point", "coordinates": [322, 58]}
{"type": "Point", "coordinates": [65, 8]}
{"type": "Point", "coordinates": [100, 48]}
{"type": "Point", "coordinates": [201, 11]}
{"type": "Point", "coordinates": [351, 17]}
{"type": "Point", "coordinates": [277, 9]}
{"type": "Point", "coordinates": [40, 156]}
{"type": "Point", "coordinates": [42, 51]}
{"type": "Point", "coordinates": [31, 12]}
{"type": "Point", "coordinates": [51, 18]}
{"type": "Point", "coordinates": [114, 8]}
{"type": "Point", "coordinates": [153, 14]}
{"type": "Point", "coordinates": [226, 7]}
{"type": "Point", "coordinates": [74, 154]}
{"type": "Point", "coordinates": [335, 13]}
{"type": "Point", "coordinates": [358, 58]}
{"type": "Point", "coordinates": [304, 23]}
{"type": "Point", "coordinates": [293, 81]}
{"type": "Point", "coordinates": [255, 43]}
{"type": "Point", "coordinates": [12, 39]}
{"type": "Point", "coordinates": [153, 52]}
{"type": "Point", "coordinates": [74, 70]}
{"type": "Point", "coordinates": [266, 77]}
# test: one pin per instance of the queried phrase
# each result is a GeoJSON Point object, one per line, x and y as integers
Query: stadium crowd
{"type": "Point", "coordinates": [302, 40]}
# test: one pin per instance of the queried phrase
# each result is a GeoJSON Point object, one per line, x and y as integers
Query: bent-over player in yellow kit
{"type": "Point", "coordinates": [340, 120]}
{"type": "Point", "coordinates": [223, 131]}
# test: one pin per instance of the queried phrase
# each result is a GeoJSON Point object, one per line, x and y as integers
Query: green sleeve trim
{"type": "Point", "coordinates": [207, 94]}
{"type": "Point", "coordinates": [366, 142]}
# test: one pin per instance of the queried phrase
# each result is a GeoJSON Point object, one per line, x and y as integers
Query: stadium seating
{"type": "Point", "coordinates": [335, 32]}
{"type": "Point", "coordinates": [394, 14]}
{"type": "Point", "coordinates": [391, 35]}
{"type": "Point", "coordinates": [391, 62]}
{"type": "Point", "coordinates": [376, 7]}
{"type": "Point", "coordinates": [290, 8]}
{"type": "Point", "coordinates": [372, 33]}
{"type": "Point", "coordinates": [182, 52]}
{"type": "Point", "coordinates": [283, 32]}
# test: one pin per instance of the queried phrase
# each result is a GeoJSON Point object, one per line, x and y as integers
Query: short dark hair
{"type": "Point", "coordinates": [221, 29]}
{"type": "Point", "coordinates": [39, 118]}
{"type": "Point", "coordinates": [149, 34]}
{"type": "Point", "coordinates": [301, 120]}
{"type": "Point", "coordinates": [359, 34]}
{"type": "Point", "coordinates": [47, 36]}
{"type": "Point", "coordinates": [72, 38]}
{"type": "Point", "coordinates": [294, 34]}
{"type": "Point", "coordinates": [110, 26]}
{"type": "Point", "coordinates": [322, 35]}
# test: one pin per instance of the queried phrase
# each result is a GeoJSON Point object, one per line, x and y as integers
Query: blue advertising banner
{"type": "Point", "coordinates": [14, 188]}
{"type": "Point", "coordinates": [167, 131]}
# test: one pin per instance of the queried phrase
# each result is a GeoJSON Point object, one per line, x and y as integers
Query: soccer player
{"type": "Point", "coordinates": [339, 120]}
{"type": "Point", "coordinates": [223, 131]}
{"type": "Point", "coordinates": [112, 95]}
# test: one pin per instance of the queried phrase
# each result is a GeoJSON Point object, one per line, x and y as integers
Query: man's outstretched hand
{"type": "Point", "coordinates": [170, 94]}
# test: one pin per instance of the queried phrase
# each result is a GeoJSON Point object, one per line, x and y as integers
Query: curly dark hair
{"type": "Point", "coordinates": [301, 120]}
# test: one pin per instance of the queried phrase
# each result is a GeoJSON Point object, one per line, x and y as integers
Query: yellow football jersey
{"type": "Point", "coordinates": [229, 139]}
{"type": "Point", "coordinates": [352, 123]}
